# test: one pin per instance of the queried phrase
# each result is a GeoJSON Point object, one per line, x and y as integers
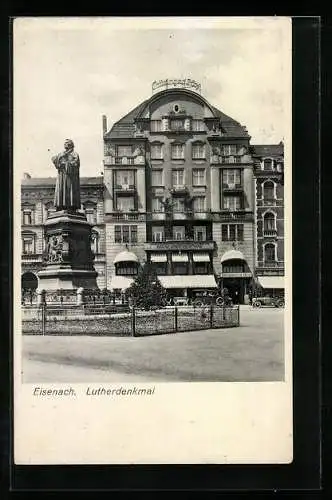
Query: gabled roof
{"type": "Point", "coordinates": [50, 181]}
{"type": "Point", "coordinates": [125, 128]}
{"type": "Point", "coordinates": [268, 150]}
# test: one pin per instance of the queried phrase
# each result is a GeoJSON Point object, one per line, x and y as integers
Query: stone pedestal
{"type": "Point", "coordinates": [68, 256]}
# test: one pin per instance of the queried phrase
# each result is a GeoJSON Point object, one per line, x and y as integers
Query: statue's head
{"type": "Point", "coordinates": [69, 144]}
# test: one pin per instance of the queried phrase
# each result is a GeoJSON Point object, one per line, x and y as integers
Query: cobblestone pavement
{"type": "Point", "coordinates": [252, 352]}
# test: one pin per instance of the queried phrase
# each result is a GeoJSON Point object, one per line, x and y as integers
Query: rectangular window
{"type": "Point", "coordinates": [198, 125]}
{"type": "Point", "coordinates": [124, 151]}
{"type": "Point", "coordinates": [125, 178]}
{"type": "Point", "coordinates": [177, 177]}
{"type": "Point", "coordinates": [158, 233]}
{"type": "Point", "coordinates": [27, 217]}
{"type": "Point", "coordinates": [156, 151]}
{"type": "Point", "coordinates": [199, 177]}
{"type": "Point", "coordinates": [157, 178]}
{"type": "Point", "coordinates": [178, 205]}
{"type": "Point", "coordinates": [160, 267]}
{"type": "Point", "coordinates": [199, 204]}
{"type": "Point", "coordinates": [125, 234]}
{"type": "Point", "coordinates": [198, 151]}
{"type": "Point", "coordinates": [125, 203]}
{"type": "Point", "coordinates": [231, 177]}
{"type": "Point", "coordinates": [201, 267]}
{"type": "Point", "coordinates": [27, 245]}
{"type": "Point", "coordinates": [232, 202]}
{"type": "Point", "coordinates": [179, 233]}
{"type": "Point", "coordinates": [177, 151]}
{"type": "Point", "coordinates": [229, 149]}
{"type": "Point", "coordinates": [177, 124]}
{"type": "Point", "coordinates": [156, 205]}
{"type": "Point", "coordinates": [200, 233]}
{"type": "Point", "coordinates": [133, 234]}
{"type": "Point", "coordinates": [232, 232]}
{"type": "Point", "coordinates": [155, 126]}
{"type": "Point", "coordinates": [180, 268]}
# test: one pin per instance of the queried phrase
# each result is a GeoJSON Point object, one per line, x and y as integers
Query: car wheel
{"type": "Point", "coordinates": [220, 301]}
{"type": "Point", "coordinates": [198, 303]}
{"type": "Point", "coordinates": [281, 303]}
{"type": "Point", "coordinates": [257, 303]}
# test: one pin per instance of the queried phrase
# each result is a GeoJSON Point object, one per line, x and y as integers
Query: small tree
{"type": "Point", "coordinates": [147, 291]}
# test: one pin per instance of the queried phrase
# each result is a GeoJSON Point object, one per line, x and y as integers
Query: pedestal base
{"type": "Point", "coordinates": [69, 259]}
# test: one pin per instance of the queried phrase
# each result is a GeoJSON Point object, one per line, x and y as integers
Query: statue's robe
{"type": "Point", "coordinates": [67, 189]}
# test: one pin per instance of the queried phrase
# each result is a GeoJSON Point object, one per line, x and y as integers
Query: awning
{"type": "Point", "coordinates": [232, 254]}
{"type": "Point", "coordinates": [180, 257]}
{"type": "Point", "coordinates": [158, 257]}
{"type": "Point", "coordinates": [125, 256]}
{"type": "Point", "coordinates": [271, 281]}
{"type": "Point", "coordinates": [121, 282]}
{"type": "Point", "coordinates": [192, 281]}
{"type": "Point", "coordinates": [201, 257]}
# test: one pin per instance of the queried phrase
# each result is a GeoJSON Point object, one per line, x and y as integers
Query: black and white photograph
{"type": "Point", "coordinates": [152, 188]}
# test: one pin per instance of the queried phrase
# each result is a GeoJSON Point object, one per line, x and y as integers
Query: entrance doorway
{"type": "Point", "coordinates": [29, 281]}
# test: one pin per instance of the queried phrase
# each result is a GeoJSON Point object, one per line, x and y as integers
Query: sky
{"type": "Point", "coordinates": [68, 72]}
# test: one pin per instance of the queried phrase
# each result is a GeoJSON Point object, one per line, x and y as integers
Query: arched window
{"type": "Point", "coordinates": [269, 253]}
{"type": "Point", "coordinates": [268, 191]}
{"type": "Point", "coordinates": [269, 222]}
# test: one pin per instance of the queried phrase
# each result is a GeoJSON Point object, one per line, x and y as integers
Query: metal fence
{"type": "Point", "coordinates": [47, 320]}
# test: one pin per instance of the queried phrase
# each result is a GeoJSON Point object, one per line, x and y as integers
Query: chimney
{"type": "Point", "coordinates": [104, 124]}
{"type": "Point", "coordinates": [26, 175]}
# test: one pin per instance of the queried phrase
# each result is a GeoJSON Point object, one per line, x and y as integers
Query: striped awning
{"type": "Point", "coordinates": [158, 257]}
{"type": "Point", "coordinates": [201, 257]}
{"type": "Point", "coordinates": [188, 281]}
{"type": "Point", "coordinates": [180, 257]}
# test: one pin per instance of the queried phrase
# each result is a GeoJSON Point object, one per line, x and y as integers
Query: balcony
{"type": "Point", "coordinates": [231, 215]}
{"type": "Point", "coordinates": [232, 188]}
{"type": "Point", "coordinates": [125, 216]}
{"type": "Point", "coordinates": [124, 160]}
{"type": "Point", "coordinates": [28, 258]}
{"type": "Point", "coordinates": [125, 189]}
{"type": "Point", "coordinates": [179, 189]}
{"type": "Point", "coordinates": [180, 245]}
{"type": "Point", "coordinates": [227, 160]}
{"type": "Point", "coordinates": [280, 264]}
{"type": "Point", "coordinates": [269, 232]}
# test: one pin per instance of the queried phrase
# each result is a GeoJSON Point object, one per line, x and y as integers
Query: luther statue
{"type": "Point", "coordinates": [67, 188]}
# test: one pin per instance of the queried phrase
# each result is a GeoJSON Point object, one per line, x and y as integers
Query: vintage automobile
{"type": "Point", "coordinates": [268, 301]}
{"type": "Point", "coordinates": [212, 298]}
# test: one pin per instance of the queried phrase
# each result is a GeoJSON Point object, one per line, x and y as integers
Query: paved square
{"type": "Point", "coordinates": [252, 352]}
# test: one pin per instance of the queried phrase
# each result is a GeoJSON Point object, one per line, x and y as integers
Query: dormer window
{"type": "Point", "coordinates": [176, 108]}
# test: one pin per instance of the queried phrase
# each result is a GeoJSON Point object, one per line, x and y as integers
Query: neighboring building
{"type": "Point", "coordinates": [183, 188]}
{"type": "Point", "coordinates": [269, 187]}
{"type": "Point", "coordinates": [36, 202]}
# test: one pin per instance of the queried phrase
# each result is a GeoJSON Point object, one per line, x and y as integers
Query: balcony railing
{"type": "Point", "coordinates": [183, 245]}
{"type": "Point", "coordinates": [99, 257]}
{"type": "Point", "coordinates": [230, 215]}
{"type": "Point", "coordinates": [226, 160]}
{"type": "Point", "coordinates": [179, 189]}
{"type": "Point", "coordinates": [32, 257]}
{"type": "Point", "coordinates": [271, 264]}
{"type": "Point", "coordinates": [232, 187]}
{"type": "Point", "coordinates": [269, 232]}
{"type": "Point", "coordinates": [125, 216]}
{"type": "Point", "coordinates": [125, 188]}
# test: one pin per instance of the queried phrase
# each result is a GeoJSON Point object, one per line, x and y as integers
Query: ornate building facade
{"type": "Point", "coordinates": [37, 197]}
{"type": "Point", "coordinates": [184, 189]}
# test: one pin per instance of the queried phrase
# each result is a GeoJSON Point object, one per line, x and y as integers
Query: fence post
{"type": "Point", "coordinates": [238, 315]}
{"type": "Point", "coordinates": [176, 318]}
{"type": "Point", "coordinates": [211, 316]}
{"type": "Point", "coordinates": [43, 318]}
{"type": "Point", "coordinates": [133, 322]}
